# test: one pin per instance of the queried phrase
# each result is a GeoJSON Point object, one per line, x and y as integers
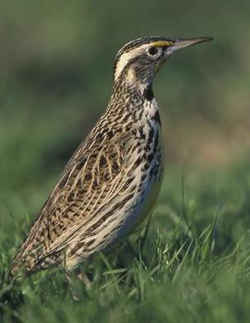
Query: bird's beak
{"type": "Point", "coordinates": [182, 43]}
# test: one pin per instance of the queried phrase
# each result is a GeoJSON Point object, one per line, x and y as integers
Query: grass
{"type": "Point", "coordinates": [194, 265]}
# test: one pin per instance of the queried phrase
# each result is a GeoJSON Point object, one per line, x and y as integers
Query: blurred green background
{"type": "Point", "coordinates": [56, 62]}
{"type": "Point", "coordinates": [56, 76]}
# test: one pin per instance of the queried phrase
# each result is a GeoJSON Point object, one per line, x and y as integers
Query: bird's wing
{"type": "Point", "coordinates": [90, 185]}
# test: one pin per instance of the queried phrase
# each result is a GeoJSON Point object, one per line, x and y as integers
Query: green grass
{"type": "Point", "coordinates": [193, 267]}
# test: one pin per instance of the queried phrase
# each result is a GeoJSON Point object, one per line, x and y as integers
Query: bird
{"type": "Point", "coordinates": [111, 182]}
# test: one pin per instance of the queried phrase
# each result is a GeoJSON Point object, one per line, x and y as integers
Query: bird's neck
{"type": "Point", "coordinates": [132, 95]}
{"type": "Point", "coordinates": [133, 104]}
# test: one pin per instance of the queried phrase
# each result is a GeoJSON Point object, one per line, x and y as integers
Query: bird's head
{"type": "Point", "coordinates": [139, 60]}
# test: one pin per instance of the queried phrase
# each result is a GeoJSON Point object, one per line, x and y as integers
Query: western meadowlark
{"type": "Point", "coordinates": [112, 180]}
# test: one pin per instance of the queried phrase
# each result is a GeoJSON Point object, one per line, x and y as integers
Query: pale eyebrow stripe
{"type": "Point", "coordinates": [132, 53]}
{"type": "Point", "coordinates": [125, 58]}
{"type": "Point", "coordinates": [161, 43]}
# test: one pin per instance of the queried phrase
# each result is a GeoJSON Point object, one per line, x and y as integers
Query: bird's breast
{"type": "Point", "coordinates": [146, 166]}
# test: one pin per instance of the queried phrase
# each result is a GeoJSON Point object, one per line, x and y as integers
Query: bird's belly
{"type": "Point", "coordinates": [142, 206]}
{"type": "Point", "coordinates": [149, 202]}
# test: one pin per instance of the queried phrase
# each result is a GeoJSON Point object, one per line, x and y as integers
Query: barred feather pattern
{"type": "Point", "coordinates": [107, 188]}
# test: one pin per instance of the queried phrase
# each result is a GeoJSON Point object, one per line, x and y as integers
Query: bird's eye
{"type": "Point", "coordinates": [153, 51]}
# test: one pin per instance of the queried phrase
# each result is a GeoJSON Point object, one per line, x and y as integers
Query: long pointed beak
{"type": "Point", "coordinates": [182, 43]}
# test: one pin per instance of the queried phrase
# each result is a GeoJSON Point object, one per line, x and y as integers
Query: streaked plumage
{"type": "Point", "coordinates": [112, 180]}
